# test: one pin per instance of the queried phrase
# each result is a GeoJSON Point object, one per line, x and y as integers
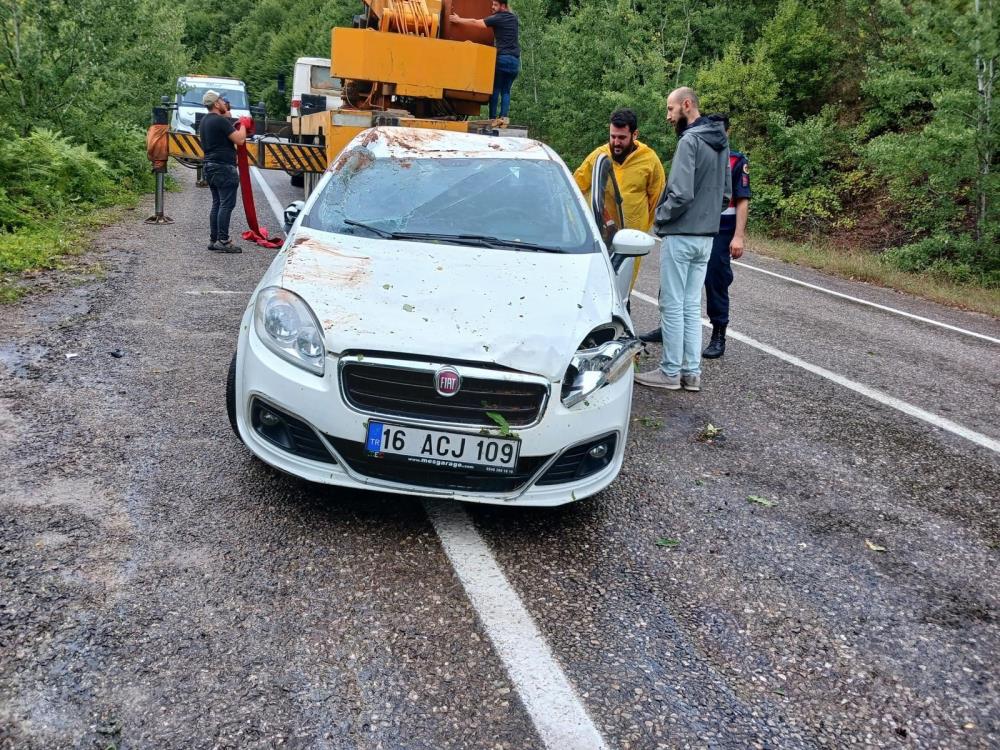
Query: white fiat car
{"type": "Point", "coordinates": [446, 318]}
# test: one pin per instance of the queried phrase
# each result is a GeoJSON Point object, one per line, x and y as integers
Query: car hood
{"type": "Point", "coordinates": [527, 311]}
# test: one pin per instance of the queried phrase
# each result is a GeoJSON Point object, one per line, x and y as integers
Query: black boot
{"type": "Point", "coordinates": [717, 346]}
{"type": "Point", "coordinates": [652, 337]}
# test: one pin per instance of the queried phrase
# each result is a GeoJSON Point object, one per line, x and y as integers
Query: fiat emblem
{"type": "Point", "coordinates": [447, 381]}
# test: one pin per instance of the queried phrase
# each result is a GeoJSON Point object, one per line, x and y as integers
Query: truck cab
{"type": "Point", "coordinates": [191, 88]}
{"type": "Point", "coordinates": [312, 83]}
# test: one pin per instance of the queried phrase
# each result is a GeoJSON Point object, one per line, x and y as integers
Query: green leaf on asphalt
{"type": "Point", "coordinates": [709, 433]}
{"type": "Point", "coordinates": [761, 501]}
{"type": "Point", "coordinates": [667, 542]}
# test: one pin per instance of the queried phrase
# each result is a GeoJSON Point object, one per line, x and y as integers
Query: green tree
{"type": "Point", "coordinates": [91, 69]}
{"type": "Point", "coordinates": [746, 89]}
{"type": "Point", "coordinates": [801, 52]}
{"type": "Point", "coordinates": [267, 41]}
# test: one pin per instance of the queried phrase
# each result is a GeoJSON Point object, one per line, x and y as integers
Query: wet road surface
{"type": "Point", "coordinates": [159, 587]}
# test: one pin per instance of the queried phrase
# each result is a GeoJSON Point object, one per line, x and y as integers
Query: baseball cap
{"type": "Point", "coordinates": [210, 97]}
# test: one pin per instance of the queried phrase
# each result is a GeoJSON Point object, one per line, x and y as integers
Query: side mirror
{"type": "Point", "coordinates": [292, 211]}
{"type": "Point", "coordinates": [631, 243]}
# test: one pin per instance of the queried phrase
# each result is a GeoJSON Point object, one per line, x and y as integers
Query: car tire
{"type": "Point", "coordinates": [231, 397]}
{"type": "Point", "coordinates": [298, 179]}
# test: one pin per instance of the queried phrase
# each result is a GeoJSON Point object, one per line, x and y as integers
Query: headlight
{"type": "Point", "coordinates": [591, 369]}
{"type": "Point", "coordinates": [287, 326]}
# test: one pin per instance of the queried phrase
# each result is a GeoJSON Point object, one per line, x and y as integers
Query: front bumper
{"type": "Point", "coordinates": [319, 404]}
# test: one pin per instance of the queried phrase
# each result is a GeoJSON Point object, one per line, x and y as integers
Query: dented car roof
{"type": "Point", "coordinates": [429, 143]}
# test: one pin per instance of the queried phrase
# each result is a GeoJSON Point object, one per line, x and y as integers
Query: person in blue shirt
{"type": "Point", "coordinates": [506, 32]}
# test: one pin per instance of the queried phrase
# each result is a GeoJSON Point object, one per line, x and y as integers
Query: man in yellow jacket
{"type": "Point", "coordinates": [638, 172]}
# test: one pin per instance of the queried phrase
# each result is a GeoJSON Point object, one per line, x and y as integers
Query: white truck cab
{"type": "Point", "coordinates": [312, 76]}
{"type": "Point", "coordinates": [191, 88]}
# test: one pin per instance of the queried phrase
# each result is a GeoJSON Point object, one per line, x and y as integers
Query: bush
{"type": "Point", "coordinates": [122, 146]}
{"type": "Point", "coordinates": [44, 174]}
{"type": "Point", "coordinates": [958, 258]}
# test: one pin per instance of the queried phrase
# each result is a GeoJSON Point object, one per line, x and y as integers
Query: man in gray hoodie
{"type": "Point", "coordinates": [687, 218]}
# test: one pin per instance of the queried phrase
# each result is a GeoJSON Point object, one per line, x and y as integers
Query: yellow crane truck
{"type": "Point", "coordinates": [402, 63]}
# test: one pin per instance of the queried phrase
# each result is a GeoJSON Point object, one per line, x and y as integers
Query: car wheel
{"type": "Point", "coordinates": [298, 179]}
{"type": "Point", "coordinates": [231, 397]}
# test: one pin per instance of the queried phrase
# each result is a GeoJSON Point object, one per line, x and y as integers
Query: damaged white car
{"type": "Point", "coordinates": [447, 317]}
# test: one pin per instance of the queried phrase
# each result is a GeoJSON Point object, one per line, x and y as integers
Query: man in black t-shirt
{"type": "Point", "coordinates": [505, 27]}
{"type": "Point", "coordinates": [218, 140]}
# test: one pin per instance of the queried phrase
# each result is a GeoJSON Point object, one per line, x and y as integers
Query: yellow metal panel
{"type": "Point", "coordinates": [426, 64]}
{"type": "Point", "coordinates": [338, 137]}
{"type": "Point", "coordinates": [314, 124]}
{"type": "Point", "coordinates": [291, 157]}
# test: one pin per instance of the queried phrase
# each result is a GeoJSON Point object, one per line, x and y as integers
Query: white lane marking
{"type": "Point", "coordinates": [215, 291]}
{"type": "Point", "coordinates": [864, 390]}
{"type": "Point", "coordinates": [550, 700]}
{"type": "Point", "coordinates": [272, 199]}
{"type": "Point", "coordinates": [860, 301]}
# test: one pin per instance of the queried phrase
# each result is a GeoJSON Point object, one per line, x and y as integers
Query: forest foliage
{"type": "Point", "coordinates": [873, 123]}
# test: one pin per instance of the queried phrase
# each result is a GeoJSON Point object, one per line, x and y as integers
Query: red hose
{"type": "Point", "coordinates": [256, 233]}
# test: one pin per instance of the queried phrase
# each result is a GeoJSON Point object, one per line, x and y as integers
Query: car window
{"type": "Point", "coordinates": [521, 200]}
{"type": "Point", "coordinates": [320, 78]}
{"type": "Point", "coordinates": [191, 96]}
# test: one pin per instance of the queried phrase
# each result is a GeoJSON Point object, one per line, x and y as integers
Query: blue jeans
{"type": "Point", "coordinates": [683, 262]}
{"type": "Point", "coordinates": [718, 279]}
{"type": "Point", "coordinates": [223, 180]}
{"type": "Point", "coordinates": [506, 71]}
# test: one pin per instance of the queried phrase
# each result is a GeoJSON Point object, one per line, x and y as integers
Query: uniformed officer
{"type": "Point", "coordinates": [728, 244]}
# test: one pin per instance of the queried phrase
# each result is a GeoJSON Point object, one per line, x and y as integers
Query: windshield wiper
{"type": "Point", "coordinates": [370, 227]}
{"type": "Point", "coordinates": [482, 240]}
{"type": "Point", "coordinates": [503, 242]}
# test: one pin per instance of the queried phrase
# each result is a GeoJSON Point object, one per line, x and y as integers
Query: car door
{"type": "Point", "coordinates": [606, 203]}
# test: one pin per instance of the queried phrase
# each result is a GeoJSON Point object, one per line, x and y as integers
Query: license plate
{"type": "Point", "coordinates": [455, 450]}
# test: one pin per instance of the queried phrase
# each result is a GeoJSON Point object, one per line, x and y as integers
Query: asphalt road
{"type": "Point", "coordinates": [159, 587]}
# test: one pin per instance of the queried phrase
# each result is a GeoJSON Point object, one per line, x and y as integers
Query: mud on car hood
{"type": "Point", "coordinates": [528, 311]}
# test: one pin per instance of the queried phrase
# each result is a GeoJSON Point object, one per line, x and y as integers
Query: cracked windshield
{"type": "Point", "coordinates": [516, 203]}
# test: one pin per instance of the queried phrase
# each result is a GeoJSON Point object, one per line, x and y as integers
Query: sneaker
{"type": "Point", "coordinates": [690, 382]}
{"type": "Point", "coordinates": [225, 246]}
{"type": "Point", "coordinates": [657, 379]}
{"type": "Point", "coordinates": [652, 337]}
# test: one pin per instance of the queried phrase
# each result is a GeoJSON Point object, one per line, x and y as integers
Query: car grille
{"type": "Point", "coordinates": [410, 394]}
{"type": "Point", "coordinates": [439, 477]}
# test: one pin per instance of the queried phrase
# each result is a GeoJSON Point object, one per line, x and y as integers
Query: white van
{"type": "Point", "coordinates": [191, 88]}
{"type": "Point", "coordinates": [312, 76]}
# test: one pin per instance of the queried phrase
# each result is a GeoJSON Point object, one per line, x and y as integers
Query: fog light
{"type": "Point", "coordinates": [598, 451]}
{"type": "Point", "coordinates": [268, 418]}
